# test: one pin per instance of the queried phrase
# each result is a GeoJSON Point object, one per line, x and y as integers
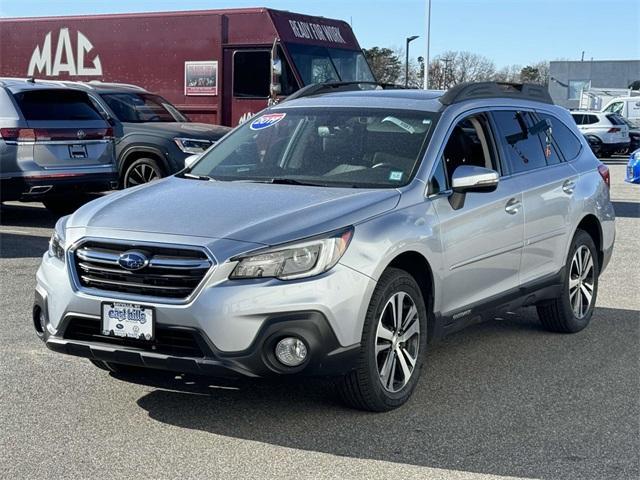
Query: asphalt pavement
{"type": "Point", "coordinates": [500, 399]}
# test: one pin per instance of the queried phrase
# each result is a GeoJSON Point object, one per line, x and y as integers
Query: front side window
{"type": "Point", "coordinates": [251, 73]}
{"type": "Point", "coordinates": [319, 146]}
{"type": "Point", "coordinates": [615, 107]}
{"type": "Point", "coordinates": [469, 143]}
{"type": "Point", "coordinates": [318, 64]}
{"type": "Point", "coordinates": [520, 140]}
{"type": "Point", "coordinates": [141, 107]}
{"type": "Point", "coordinates": [579, 118]}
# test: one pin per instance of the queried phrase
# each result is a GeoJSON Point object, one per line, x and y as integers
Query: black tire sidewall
{"type": "Point", "coordinates": [576, 324]}
{"type": "Point", "coordinates": [391, 282]}
{"type": "Point", "coordinates": [141, 161]}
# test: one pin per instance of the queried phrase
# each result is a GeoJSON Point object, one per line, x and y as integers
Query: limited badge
{"type": "Point", "coordinates": [266, 121]}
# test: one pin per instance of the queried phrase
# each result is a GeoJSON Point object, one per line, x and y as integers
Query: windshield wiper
{"type": "Point", "coordinates": [293, 181]}
{"type": "Point", "coordinates": [199, 177]}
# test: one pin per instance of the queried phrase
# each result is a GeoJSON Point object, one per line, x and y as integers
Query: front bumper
{"type": "Point", "coordinates": [232, 326]}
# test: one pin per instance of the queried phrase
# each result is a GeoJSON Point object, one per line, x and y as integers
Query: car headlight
{"type": "Point", "coordinates": [635, 155]}
{"type": "Point", "coordinates": [192, 145]}
{"type": "Point", "coordinates": [296, 260]}
{"type": "Point", "coordinates": [56, 243]}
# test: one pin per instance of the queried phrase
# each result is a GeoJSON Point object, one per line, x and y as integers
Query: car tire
{"type": "Point", "coordinates": [143, 170]}
{"type": "Point", "coordinates": [573, 309]}
{"type": "Point", "coordinates": [384, 357]}
{"type": "Point", "coordinates": [65, 205]}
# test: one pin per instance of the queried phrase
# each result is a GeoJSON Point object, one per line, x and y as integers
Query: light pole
{"type": "Point", "coordinates": [426, 62]}
{"type": "Point", "coordinates": [406, 62]}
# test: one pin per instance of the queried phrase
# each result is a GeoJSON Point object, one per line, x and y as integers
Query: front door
{"type": "Point", "coordinates": [482, 241]}
{"type": "Point", "coordinates": [247, 78]}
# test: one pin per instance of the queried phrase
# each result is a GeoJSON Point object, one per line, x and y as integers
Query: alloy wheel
{"type": "Point", "coordinates": [397, 341]}
{"type": "Point", "coordinates": [141, 174]}
{"type": "Point", "coordinates": [581, 281]}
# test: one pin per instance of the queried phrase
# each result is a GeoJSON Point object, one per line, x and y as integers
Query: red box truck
{"type": "Point", "coordinates": [217, 66]}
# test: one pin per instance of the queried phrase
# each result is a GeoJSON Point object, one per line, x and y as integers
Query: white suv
{"type": "Point", "coordinates": [607, 133]}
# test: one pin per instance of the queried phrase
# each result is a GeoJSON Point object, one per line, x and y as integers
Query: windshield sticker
{"type": "Point", "coordinates": [266, 121]}
{"type": "Point", "coordinates": [395, 175]}
{"type": "Point", "coordinates": [403, 125]}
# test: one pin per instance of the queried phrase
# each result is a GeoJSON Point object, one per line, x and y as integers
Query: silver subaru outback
{"type": "Point", "coordinates": [339, 234]}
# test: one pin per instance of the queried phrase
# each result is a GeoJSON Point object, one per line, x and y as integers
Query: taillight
{"type": "Point", "coordinates": [603, 170]}
{"type": "Point", "coordinates": [613, 130]}
{"type": "Point", "coordinates": [55, 134]}
{"type": "Point", "coordinates": [18, 134]}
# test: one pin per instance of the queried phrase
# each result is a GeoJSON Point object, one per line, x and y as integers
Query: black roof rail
{"type": "Point", "coordinates": [478, 90]}
{"type": "Point", "coordinates": [331, 87]}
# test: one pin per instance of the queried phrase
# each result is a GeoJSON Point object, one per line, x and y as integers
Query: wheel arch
{"type": "Point", "coordinates": [590, 224]}
{"type": "Point", "coordinates": [132, 154]}
{"type": "Point", "coordinates": [417, 265]}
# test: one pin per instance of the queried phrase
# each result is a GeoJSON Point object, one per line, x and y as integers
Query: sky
{"type": "Point", "coordinates": [506, 31]}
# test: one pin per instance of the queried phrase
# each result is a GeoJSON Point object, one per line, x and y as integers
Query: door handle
{"type": "Point", "coordinates": [513, 206]}
{"type": "Point", "coordinates": [568, 187]}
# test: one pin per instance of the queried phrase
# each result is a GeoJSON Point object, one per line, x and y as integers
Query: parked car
{"type": "Point", "coordinates": [626, 107]}
{"type": "Point", "coordinates": [152, 137]}
{"type": "Point", "coordinates": [607, 133]}
{"type": "Point", "coordinates": [54, 145]}
{"type": "Point", "coordinates": [633, 168]}
{"type": "Point", "coordinates": [338, 234]}
{"type": "Point", "coordinates": [634, 136]}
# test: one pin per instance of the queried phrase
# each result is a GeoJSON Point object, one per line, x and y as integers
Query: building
{"type": "Point", "coordinates": [568, 78]}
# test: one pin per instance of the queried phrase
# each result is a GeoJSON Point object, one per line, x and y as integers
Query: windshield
{"type": "Point", "coordinates": [317, 64]}
{"type": "Point", "coordinates": [320, 146]}
{"type": "Point", "coordinates": [142, 107]}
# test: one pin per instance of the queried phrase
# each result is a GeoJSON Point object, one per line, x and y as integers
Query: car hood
{"type": "Point", "coordinates": [250, 212]}
{"type": "Point", "coordinates": [178, 129]}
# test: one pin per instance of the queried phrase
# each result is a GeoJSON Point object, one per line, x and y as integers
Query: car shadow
{"type": "Point", "coordinates": [26, 215]}
{"type": "Point", "coordinates": [626, 209]}
{"type": "Point", "coordinates": [22, 246]}
{"type": "Point", "coordinates": [504, 398]}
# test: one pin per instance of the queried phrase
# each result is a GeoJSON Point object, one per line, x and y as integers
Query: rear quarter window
{"type": "Point", "coordinates": [56, 105]}
{"type": "Point", "coordinates": [565, 139]}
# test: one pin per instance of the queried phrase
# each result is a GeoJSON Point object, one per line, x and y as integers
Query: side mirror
{"type": "Point", "coordinates": [467, 179]}
{"type": "Point", "coordinates": [191, 159]}
{"type": "Point", "coordinates": [276, 67]}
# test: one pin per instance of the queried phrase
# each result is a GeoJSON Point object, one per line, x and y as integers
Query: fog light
{"type": "Point", "coordinates": [291, 351]}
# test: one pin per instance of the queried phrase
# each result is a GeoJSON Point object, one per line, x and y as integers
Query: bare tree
{"type": "Point", "coordinates": [509, 73]}
{"type": "Point", "coordinates": [451, 68]}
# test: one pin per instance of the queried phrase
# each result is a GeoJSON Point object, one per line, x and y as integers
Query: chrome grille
{"type": "Point", "coordinates": [171, 272]}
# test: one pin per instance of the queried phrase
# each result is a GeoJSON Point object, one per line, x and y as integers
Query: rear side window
{"type": "Point", "coordinates": [56, 105]}
{"type": "Point", "coordinates": [565, 139]}
{"type": "Point", "coordinates": [522, 147]}
{"type": "Point", "coordinates": [591, 119]}
{"type": "Point", "coordinates": [616, 119]}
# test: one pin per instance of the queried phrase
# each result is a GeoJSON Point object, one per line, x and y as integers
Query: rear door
{"type": "Point", "coordinates": [65, 129]}
{"type": "Point", "coordinates": [547, 181]}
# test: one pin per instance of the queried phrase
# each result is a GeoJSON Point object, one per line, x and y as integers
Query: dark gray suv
{"type": "Point", "coordinates": [55, 145]}
{"type": "Point", "coordinates": [152, 137]}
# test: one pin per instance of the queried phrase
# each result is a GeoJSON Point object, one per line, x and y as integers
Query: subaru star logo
{"type": "Point", "coordinates": [81, 134]}
{"type": "Point", "coordinates": [133, 260]}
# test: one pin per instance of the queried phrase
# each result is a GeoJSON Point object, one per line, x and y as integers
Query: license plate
{"type": "Point", "coordinates": [78, 151]}
{"type": "Point", "coordinates": [128, 320]}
